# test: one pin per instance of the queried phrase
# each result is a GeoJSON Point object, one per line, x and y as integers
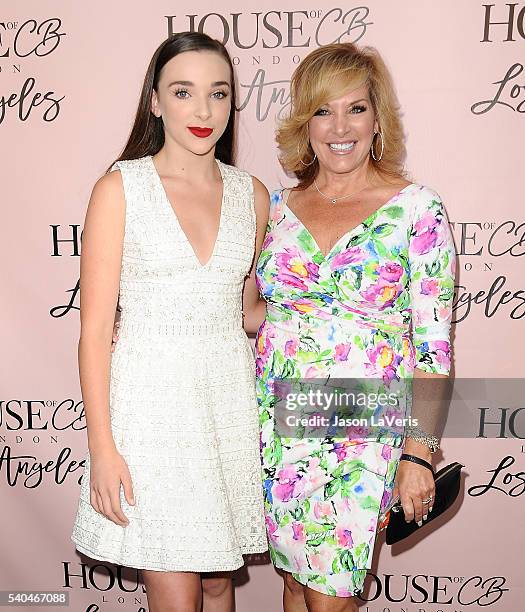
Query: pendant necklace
{"type": "Point", "coordinates": [334, 200]}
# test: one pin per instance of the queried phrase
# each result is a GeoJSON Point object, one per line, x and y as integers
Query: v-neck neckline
{"type": "Point", "coordinates": [328, 255]}
{"type": "Point", "coordinates": [174, 214]}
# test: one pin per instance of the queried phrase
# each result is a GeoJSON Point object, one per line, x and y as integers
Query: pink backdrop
{"type": "Point", "coordinates": [70, 75]}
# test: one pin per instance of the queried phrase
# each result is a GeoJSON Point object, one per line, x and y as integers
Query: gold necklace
{"type": "Point", "coordinates": [334, 200]}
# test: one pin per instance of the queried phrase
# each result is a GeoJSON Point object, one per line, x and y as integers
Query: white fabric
{"type": "Point", "coordinates": [182, 390]}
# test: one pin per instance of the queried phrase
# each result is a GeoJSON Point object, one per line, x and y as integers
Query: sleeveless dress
{"type": "Point", "coordinates": [375, 307]}
{"type": "Point", "coordinates": [182, 390]}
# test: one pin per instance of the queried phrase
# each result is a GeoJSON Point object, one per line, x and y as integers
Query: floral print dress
{"type": "Point", "coordinates": [376, 306]}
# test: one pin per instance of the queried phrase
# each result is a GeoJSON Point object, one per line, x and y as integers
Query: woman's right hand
{"type": "Point", "coordinates": [114, 339]}
{"type": "Point", "coordinates": [108, 470]}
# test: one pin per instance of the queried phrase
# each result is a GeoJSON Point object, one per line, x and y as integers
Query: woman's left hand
{"type": "Point", "coordinates": [413, 484]}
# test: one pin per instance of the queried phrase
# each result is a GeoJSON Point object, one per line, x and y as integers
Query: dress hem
{"type": "Point", "coordinates": [149, 566]}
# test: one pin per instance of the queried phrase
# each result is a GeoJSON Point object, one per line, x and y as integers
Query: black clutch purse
{"type": "Point", "coordinates": [447, 483]}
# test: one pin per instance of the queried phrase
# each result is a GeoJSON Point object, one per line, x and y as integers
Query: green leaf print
{"type": "Point", "coordinates": [316, 541]}
{"type": "Point", "coordinates": [282, 558]}
{"type": "Point", "coordinates": [313, 528]}
{"type": "Point", "coordinates": [361, 552]}
{"type": "Point", "coordinates": [305, 240]}
{"type": "Point", "coordinates": [433, 269]}
{"type": "Point", "coordinates": [278, 450]}
{"type": "Point", "coordinates": [394, 212]}
{"type": "Point", "coordinates": [285, 520]}
{"type": "Point", "coordinates": [298, 513]}
{"type": "Point", "coordinates": [308, 344]}
{"type": "Point", "coordinates": [288, 369]}
{"type": "Point", "coordinates": [318, 258]}
{"type": "Point", "coordinates": [346, 560]}
{"type": "Point", "coordinates": [359, 342]}
{"type": "Point", "coordinates": [359, 238]}
{"type": "Point", "coordinates": [382, 251]}
{"type": "Point", "coordinates": [358, 278]}
{"type": "Point", "coordinates": [331, 488]}
{"type": "Point", "coordinates": [263, 260]}
{"type": "Point", "coordinates": [446, 294]}
{"type": "Point", "coordinates": [369, 503]}
{"type": "Point", "coordinates": [385, 229]}
{"type": "Point", "coordinates": [353, 478]}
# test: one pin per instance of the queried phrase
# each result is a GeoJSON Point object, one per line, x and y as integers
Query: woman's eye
{"type": "Point", "coordinates": [322, 111]}
{"type": "Point", "coordinates": [359, 108]}
{"type": "Point", "coordinates": [181, 93]}
{"type": "Point", "coordinates": [220, 95]}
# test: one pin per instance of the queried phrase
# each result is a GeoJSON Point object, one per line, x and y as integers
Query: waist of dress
{"type": "Point", "coordinates": [350, 318]}
{"type": "Point", "coordinates": [181, 327]}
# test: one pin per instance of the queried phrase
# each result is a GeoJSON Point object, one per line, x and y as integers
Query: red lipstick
{"type": "Point", "coordinates": [200, 132]}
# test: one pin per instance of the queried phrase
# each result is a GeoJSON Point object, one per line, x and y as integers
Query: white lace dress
{"type": "Point", "coordinates": [182, 390]}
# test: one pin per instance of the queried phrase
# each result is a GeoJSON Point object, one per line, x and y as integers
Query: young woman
{"type": "Point", "coordinates": [172, 478]}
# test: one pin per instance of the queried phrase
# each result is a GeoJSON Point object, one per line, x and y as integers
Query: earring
{"type": "Point", "coordinates": [377, 159]}
{"type": "Point", "coordinates": [300, 158]}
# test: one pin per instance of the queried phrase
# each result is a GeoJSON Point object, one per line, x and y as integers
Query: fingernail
{"type": "Point", "coordinates": [420, 523]}
{"type": "Point", "coordinates": [425, 517]}
{"type": "Point", "coordinates": [430, 509]}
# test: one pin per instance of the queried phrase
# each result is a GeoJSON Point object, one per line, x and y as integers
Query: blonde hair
{"type": "Point", "coordinates": [328, 73]}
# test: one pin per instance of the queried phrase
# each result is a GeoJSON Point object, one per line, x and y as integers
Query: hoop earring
{"type": "Point", "coordinates": [377, 159]}
{"type": "Point", "coordinates": [300, 158]}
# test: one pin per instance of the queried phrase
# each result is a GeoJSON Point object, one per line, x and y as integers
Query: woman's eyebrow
{"type": "Point", "coordinates": [191, 84]}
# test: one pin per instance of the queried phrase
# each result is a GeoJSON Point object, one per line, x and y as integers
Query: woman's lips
{"type": "Point", "coordinates": [200, 132]}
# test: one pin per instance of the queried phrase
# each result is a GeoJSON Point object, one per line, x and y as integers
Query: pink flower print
{"type": "Point", "coordinates": [290, 348]}
{"type": "Point", "coordinates": [322, 509]}
{"type": "Point", "coordinates": [386, 452]}
{"type": "Point", "coordinates": [352, 255]}
{"type": "Point", "coordinates": [430, 286]}
{"type": "Point", "coordinates": [271, 528]}
{"type": "Point", "coordinates": [381, 354]}
{"type": "Point", "coordinates": [322, 559]}
{"type": "Point", "coordinates": [442, 348]}
{"type": "Point", "coordinates": [391, 272]}
{"type": "Point", "coordinates": [264, 343]}
{"type": "Point", "coordinates": [340, 451]}
{"type": "Point", "coordinates": [426, 234]}
{"type": "Point", "coordinates": [292, 270]}
{"type": "Point", "coordinates": [381, 292]}
{"type": "Point", "coordinates": [312, 372]}
{"type": "Point", "coordinates": [341, 351]}
{"type": "Point", "coordinates": [299, 533]}
{"type": "Point", "coordinates": [344, 537]}
{"type": "Point", "coordinates": [268, 239]}
{"type": "Point", "coordinates": [356, 449]}
{"type": "Point", "coordinates": [343, 592]}
{"type": "Point", "coordinates": [275, 212]}
{"type": "Point", "coordinates": [287, 481]}
{"type": "Point", "coordinates": [357, 432]}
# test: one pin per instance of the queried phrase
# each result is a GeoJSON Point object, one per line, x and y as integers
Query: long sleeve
{"type": "Point", "coordinates": [432, 263]}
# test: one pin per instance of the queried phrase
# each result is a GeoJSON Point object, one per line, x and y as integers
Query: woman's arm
{"type": "Point", "coordinates": [432, 261]}
{"type": "Point", "coordinates": [100, 265]}
{"type": "Point", "coordinates": [254, 307]}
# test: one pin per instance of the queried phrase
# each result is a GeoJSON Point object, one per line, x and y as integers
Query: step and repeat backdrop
{"type": "Point", "coordinates": [70, 75]}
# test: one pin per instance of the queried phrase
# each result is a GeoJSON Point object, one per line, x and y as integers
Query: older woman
{"type": "Point", "coordinates": [357, 272]}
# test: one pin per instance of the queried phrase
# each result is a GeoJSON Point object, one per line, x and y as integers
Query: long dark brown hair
{"type": "Point", "coordinates": [147, 134]}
